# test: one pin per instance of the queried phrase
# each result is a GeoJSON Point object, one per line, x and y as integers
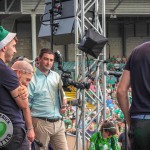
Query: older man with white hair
{"type": "Point", "coordinates": [24, 71]}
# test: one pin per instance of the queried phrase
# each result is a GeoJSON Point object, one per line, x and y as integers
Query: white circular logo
{"type": "Point", "coordinates": [6, 130]}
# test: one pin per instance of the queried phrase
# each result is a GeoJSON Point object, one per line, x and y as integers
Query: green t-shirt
{"type": "Point", "coordinates": [121, 115]}
{"type": "Point", "coordinates": [110, 66]}
{"type": "Point", "coordinates": [98, 143]}
{"type": "Point", "coordinates": [108, 116]}
{"type": "Point", "coordinates": [111, 80]}
{"type": "Point", "coordinates": [117, 111]}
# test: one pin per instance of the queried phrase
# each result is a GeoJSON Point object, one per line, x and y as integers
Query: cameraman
{"type": "Point", "coordinates": [47, 103]}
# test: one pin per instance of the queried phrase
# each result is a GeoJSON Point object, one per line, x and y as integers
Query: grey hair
{"type": "Point", "coordinates": [23, 66]}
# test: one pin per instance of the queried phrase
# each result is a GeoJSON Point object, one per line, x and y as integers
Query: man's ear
{"type": "Point", "coordinates": [3, 49]}
{"type": "Point", "coordinates": [39, 59]}
{"type": "Point", "coordinates": [109, 134]}
{"type": "Point", "coordinates": [19, 73]}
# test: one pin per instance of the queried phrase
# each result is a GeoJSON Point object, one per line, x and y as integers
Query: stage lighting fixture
{"type": "Point", "coordinates": [92, 43]}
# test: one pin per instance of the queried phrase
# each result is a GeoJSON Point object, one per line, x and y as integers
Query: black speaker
{"type": "Point", "coordinates": [92, 43]}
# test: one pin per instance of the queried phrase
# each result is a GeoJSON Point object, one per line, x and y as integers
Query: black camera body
{"type": "Point", "coordinates": [66, 76]}
{"type": "Point", "coordinates": [67, 81]}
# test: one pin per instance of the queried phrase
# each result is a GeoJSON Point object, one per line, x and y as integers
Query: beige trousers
{"type": "Point", "coordinates": [50, 132]}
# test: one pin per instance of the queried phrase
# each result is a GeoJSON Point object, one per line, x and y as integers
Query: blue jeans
{"type": "Point", "coordinates": [19, 140]}
{"type": "Point", "coordinates": [139, 134]}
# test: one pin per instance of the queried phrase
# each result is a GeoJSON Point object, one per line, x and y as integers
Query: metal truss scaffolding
{"type": "Point", "coordinates": [10, 6]}
{"type": "Point", "coordinates": [87, 14]}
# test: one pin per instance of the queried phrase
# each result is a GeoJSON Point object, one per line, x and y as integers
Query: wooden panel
{"type": "Point", "coordinates": [71, 140]}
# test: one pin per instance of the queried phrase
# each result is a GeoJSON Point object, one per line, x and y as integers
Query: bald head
{"type": "Point", "coordinates": [24, 71]}
{"type": "Point", "coordinates": [22, 66]}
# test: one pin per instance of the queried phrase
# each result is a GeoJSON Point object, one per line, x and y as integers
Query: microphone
{"type": "Point", "coordinates": [114, 73]}
{"type": "Point", "coordinates": [38, 143]}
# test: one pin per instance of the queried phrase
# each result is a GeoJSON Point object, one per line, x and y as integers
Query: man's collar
{"type": "Point", "coordinates": [2, 60]}
{"type": "Point", "coordinates": [40, 72]}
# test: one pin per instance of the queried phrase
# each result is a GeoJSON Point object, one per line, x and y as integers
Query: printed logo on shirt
{"type": "Point", "coordinates": [6, 130]}
{"type": "Point", "coordinates": [105, 147]}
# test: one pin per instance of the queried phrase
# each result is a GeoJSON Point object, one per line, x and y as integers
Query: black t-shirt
{"type": "Point", "coordinates": [139, 66]}
{"type": "Point", "coordinates": [8, 106]}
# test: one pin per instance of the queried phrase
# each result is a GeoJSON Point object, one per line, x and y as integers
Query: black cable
{"type": "Point", "coordinates": [38, 143]}
{"type": "Point", "coordinates": [87, 62]}
{"type": "Point", "coordinates": [109, 50]}
{"type": "Point", "coordinates": [89, 69]}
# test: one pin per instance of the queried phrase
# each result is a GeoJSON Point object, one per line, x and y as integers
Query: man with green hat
{"type": "Point", "coordinates": [13, 98]}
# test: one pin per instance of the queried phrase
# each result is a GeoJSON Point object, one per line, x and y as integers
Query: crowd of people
{"type": "Point", "coordinates": [113, 112]}
{"type": "Point", "coordinates": [35, 102]}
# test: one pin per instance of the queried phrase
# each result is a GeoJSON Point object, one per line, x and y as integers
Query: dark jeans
{"type": "Point", "coordinates": [139, 134]}
{"type": "Point", "coordinates": [19, 140]}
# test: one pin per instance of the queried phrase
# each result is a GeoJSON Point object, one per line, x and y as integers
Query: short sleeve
{"type": "Point", "coordinates": [128, 63]}
{"type": "Point", "coordinates": [9, 79]}
{"type": "Point", "coordinates": [114, 143]}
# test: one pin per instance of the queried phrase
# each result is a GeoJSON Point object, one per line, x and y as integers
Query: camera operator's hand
{"type": "Point", "coordinates": [62, 109]}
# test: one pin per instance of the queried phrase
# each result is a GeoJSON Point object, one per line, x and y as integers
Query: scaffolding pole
{"type": "Point", "coordinates": [82, 22]}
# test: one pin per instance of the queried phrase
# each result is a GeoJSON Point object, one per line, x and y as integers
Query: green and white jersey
{"type": "Point", "coordinates": [98, 143]}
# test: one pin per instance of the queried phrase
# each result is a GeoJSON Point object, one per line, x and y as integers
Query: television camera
{"type": "Point", "coordinates": [66, 75]}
